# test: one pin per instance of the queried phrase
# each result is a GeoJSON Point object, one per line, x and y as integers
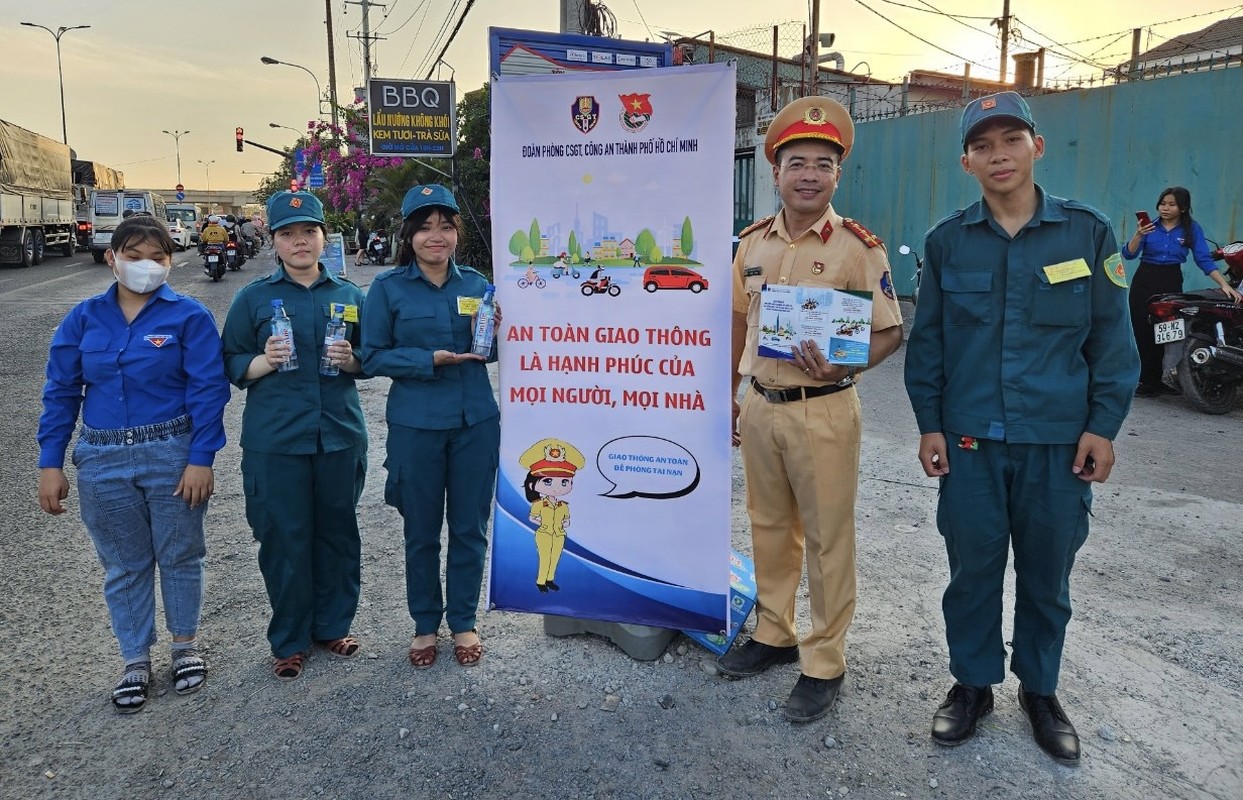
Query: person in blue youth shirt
{"type": "Point", "coordinates": [304, 442]}
{"type": "Point", "coordinates": [142, 365]}
{"type": "Point", "coordinates": [1162, 247]}
{"type": "Point", "coordinates": [443, 421]}
{"type": "Point", "coordinates": [1020, 369]}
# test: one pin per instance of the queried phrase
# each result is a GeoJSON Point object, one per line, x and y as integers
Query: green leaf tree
{"type": "Point", "coordinates": [688, 238]}
{"type": "Point", "coordinates": [573, 247]}
{"type": "Point", "coordinates": [654, 255]}
{"type": "Point", "coordinates": [533, 235]}
{"type": "Point", "coordinates": [518, 243]}
{"type": "Point", "coordinates": [645, 241]}
{"type": "Point", "coordinates": [527, 254]}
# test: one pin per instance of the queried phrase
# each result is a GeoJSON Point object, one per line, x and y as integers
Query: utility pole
{"type": "Point", "coordinates": [1003, 24]}
{"type": "Point", "coordinates": [365, 37]}
{"type": "Point", "coordinates": [332, 68]}
{"type": "Point", "coordinates": [813, 55]}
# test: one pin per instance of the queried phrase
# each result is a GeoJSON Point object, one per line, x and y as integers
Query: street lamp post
{"type": "Point", "coordinates": [56, 34]}
{"type": "Point", "coordinates": [177, 139]}
{"type": "Point", "coordinates": [319, 90]}
{"type": "Point", "coordinates": [207, 164]}
{"type": "Point", "coordinates": [286, 127]}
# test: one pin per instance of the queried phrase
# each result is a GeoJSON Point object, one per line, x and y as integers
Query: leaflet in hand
{"type": "Point", "coordinates": [840, 322]}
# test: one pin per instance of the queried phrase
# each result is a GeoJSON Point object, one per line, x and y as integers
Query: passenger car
{"type": "Point", "coordinates": [670, 277]}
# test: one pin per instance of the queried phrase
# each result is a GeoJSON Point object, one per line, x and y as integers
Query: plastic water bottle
{"type": "Point", "coordinates": [282, 326]}
{"type": "Point", "coordinates": [485, 324]}
{"type": "Point", "coordinates": [334, 333]}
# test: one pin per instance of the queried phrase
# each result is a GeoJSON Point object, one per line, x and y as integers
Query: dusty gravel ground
{"type": "Point", "coordinates": [1153, 673]}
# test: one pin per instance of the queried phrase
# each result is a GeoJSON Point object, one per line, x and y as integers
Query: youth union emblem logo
{"type": "Point", "coordinates": [636, 111]}
{"type": "Point", "coordinates": [585, 112]}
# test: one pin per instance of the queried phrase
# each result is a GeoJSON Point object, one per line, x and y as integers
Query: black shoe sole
{"type": "Point", "coordinates": [800, 720]}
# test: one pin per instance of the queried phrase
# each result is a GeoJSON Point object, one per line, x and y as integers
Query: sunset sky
{"type": "Point", "coordinates": [145, 65]}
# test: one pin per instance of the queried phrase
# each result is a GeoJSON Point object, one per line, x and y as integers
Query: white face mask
{"type": "Point", "coordinates": [142, 277]}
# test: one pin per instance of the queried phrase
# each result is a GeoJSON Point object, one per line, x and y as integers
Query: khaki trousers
{"type": "Point", "coordinates": [801, 462]}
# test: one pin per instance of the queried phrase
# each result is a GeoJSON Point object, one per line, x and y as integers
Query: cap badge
{"type": "Point", "coordinates": [427, 190]}
{"type": "Point", "coordinates": [295, 202]}
{"type": "Point", "coordinates": [815, 116]}
{"type": "Point", "coordinates": [990, 102]}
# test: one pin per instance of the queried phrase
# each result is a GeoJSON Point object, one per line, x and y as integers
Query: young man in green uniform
{"type": "Point", "coordinates": [1020, 368]}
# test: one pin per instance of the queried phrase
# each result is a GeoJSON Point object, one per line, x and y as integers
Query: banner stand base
{"type": "Point", "coordinates": [640, 642]}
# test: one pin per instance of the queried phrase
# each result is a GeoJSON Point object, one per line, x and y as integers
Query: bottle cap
{"type": "Point", "coordinates": [338, 308]}
{"type": "Point", "coordinates": [277, 302]}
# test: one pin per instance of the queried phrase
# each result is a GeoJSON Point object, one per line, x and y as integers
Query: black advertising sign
{"type": "Point", "coordinates": [411, 118]}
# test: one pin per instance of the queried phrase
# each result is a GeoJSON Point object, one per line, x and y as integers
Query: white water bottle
{"type": "Point", "coordinates": [334, 333]}
{"type": "Point", "coordinates": [485, 324]}
{"type": "Point", "coordinates": [282, 326]}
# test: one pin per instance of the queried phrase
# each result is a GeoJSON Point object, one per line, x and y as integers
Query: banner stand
{"type": "Point", "coordinates": [640, 642]}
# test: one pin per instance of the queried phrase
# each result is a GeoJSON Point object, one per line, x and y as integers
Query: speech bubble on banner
{"type": "Point", "coordinates": [647, 466]}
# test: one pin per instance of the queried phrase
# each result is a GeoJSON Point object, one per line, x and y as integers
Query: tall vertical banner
{"type": "Point", "coordinates": [611, 215]}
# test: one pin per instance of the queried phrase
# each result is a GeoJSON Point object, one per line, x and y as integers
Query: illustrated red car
{"type": "Point", "coordinates": [673, 278]}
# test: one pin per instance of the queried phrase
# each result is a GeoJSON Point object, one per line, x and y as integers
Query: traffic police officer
{"type": "Point", "coordinates": [1020, 370]}
{"type": "Point", "coordinates": [800, 421]}
{"type": "Point", "coordinates": [444, 431]}
{"type": "Point", "coordinates": [304, 443]}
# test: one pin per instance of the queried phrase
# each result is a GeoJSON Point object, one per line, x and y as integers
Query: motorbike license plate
{"type": "Point", "coordinates": [212, 259]}
{"type": "Point", "coordinates": [1172, 331]}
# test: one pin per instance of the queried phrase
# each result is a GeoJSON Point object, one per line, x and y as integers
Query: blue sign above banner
{"type": "Point", "coordinates": [517, 52]}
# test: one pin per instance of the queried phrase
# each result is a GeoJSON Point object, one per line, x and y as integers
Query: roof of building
{"type": "Point", "coordinates": [1219, 36]}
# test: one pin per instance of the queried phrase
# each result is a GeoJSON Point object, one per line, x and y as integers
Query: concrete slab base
{"type": "Point", "coordinates": [640, 642]}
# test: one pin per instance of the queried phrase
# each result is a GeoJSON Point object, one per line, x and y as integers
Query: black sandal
{"type": "Point", "coordinates": [133, 689]}
{"type": "Point", "coordinates": [187, 667]}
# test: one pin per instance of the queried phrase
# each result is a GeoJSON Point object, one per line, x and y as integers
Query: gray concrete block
{"type": "Point", "coordinates": [640, 642]}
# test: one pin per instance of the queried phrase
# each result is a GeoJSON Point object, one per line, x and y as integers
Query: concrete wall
{"type": "Point", "coordinates": [1114, 147]}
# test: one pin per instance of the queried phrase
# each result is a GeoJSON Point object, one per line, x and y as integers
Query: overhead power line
{"type": "Point", "coordinates": [920, 38]}
{"type": "Point", "coordinates": [456, 28]}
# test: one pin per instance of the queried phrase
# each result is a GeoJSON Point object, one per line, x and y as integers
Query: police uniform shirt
{"type": "Point", "coordinates": [299, 412]}
{"type": "Point", "coordinates": [999, 351]}
{"type": "Point", "coordinates": [834, 253]}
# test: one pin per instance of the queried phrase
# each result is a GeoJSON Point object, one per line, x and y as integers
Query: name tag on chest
{"type": "Point", "coordinates": [468, 305]}
{"type": "Point", "coordinates": [1067, 271]}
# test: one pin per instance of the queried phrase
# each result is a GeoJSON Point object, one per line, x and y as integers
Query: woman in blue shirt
{"type": "Point", "coordinates": [1162, 247]}
{"type": "Point", "coordinates": [143, 365]}
{"type": "Point", "coordinates": [443, 422]}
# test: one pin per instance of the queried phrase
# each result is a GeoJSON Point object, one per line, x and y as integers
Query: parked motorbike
{"type": "Point", "coordinates": [600, 285]}
{"type": "Point", "coordinates": [377, 248]}
{"type": "Point", "coordinates": [919, 269]}
{"type": "Point", "coordinates": [213, 261]}
{"type": "Point", "coordinates": [1203, 336]}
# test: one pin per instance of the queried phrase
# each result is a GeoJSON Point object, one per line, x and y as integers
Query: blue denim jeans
{"type": "Point", "coordinates": [135, 521]}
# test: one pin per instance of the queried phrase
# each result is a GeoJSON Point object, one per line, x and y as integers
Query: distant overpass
{"type": "Point", "coordinates": [224, 201]}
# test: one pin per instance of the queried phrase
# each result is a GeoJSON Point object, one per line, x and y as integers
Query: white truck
{"type": "Point", "coordinates": [36, 197]}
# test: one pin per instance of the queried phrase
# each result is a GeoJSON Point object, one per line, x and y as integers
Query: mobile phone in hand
{"type": "Point", "coordinates": [1143, 218]}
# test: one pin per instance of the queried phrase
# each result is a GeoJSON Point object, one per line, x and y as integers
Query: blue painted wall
{"type": "Point", "coordinates": [1114, 147]}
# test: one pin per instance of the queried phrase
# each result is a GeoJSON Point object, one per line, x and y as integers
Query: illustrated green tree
{"type": "Point", "coordinates": [518, 243]}
{"type": "Point", "coordinates": [573, 250]}
{"type": "Point", "coordinates": [688, 238]}
{"type": "Point", "coordinates": [654, 256]}
{"type": "Point", "coordinates": [645, 242]}
{"type": "Point", "coordinates": [527, 254]}
{"type": "Point", "coordinates": [533, 235]}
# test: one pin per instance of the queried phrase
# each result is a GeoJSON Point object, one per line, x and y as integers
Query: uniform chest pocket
{"type": "Point", "coordinates": [967, 297]}
{"type": "Point", "coordinates": [1063, 304]}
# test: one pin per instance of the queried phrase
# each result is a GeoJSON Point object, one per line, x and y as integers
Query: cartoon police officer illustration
{"type": "Point", "coordinates": [551, 465]}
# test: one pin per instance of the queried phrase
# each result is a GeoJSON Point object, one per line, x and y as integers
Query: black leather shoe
{"type": "Point", "coordinates": [812, 698]}
{"type": "Point", "coordinates": [964, 706]}
{"type": "Point", "coordinates": [1050, 725]}
{"type": "Point", "coordinates": [755, 657]}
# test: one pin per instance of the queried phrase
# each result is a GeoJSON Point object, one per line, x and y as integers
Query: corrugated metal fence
{"type": "Point", "coordinates": [1114, 147]}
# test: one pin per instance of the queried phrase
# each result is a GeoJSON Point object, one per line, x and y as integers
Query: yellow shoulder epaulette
{"type": "Point", "coordinates": [755, 226]}
{"type": "Point", "coordinates": [866, 236]}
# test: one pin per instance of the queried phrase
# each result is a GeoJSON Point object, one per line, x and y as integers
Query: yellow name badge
{"type": "Point", "coordinates": [468, 305]}
{"type": "Point", "coordinates": [1067, 271]}
{"type": "Point", "coordinates": [351, 313]}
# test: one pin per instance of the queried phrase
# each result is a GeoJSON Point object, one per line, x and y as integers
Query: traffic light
{"type": "Point", "coordinates": [240, 136]}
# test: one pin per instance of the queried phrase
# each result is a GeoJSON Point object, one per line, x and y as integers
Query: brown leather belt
{"type": "Point", "coordinates": [798, 392]}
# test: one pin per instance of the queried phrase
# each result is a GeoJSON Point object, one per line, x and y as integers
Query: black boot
{"type": "Point", "coordinates": [812, 698]}
{"type": "Point", "coordinates": [1050, 726]}
{"type": "Point", "coordinates": [964, 706]}
{"type": "Point", "coordinates": [755, 657]}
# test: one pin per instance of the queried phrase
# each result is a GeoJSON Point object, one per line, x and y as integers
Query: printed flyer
{"type": "Point", "coordinates": [839, 322]}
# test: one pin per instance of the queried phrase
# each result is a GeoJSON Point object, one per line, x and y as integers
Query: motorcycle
{"type": "Point", "coordinates": [213, 261]}
{"type": "Point", "coordinates": [1203, 336]}
{"type": "Point", "coordinates": [600, 285]}
{"type": "Point", "coordinates": [377, 248]}
{"type": "Point", "coordinates": [919, 269]}
{"type": "Point", "coordinates": [233, 257]}
{"type": "Point", "coordinates": [559, 268]}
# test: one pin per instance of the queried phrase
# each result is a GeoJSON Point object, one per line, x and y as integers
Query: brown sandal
{"type": "Point", "coordinates": [423, 657]}
{"type": "Point", "coordinates": [345, 647]}
{"type": "Point", "coordinates": [288, 669]}
{"type": "Point", "coordinates": [468, 655]}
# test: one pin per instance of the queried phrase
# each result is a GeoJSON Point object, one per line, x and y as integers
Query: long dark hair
{"type": "Point", "coordinates": [411, 224]}
{"type": "Point", "coordinates": [1182, 199]}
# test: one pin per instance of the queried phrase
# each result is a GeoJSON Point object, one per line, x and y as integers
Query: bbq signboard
{"type": "Point", "coordinates": [411, 118]}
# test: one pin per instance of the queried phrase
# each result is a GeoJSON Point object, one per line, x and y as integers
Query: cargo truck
{"type": "Point", "coordinates": [36, 197]}
{"type": "Point", "coordinates": [87, 176]}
